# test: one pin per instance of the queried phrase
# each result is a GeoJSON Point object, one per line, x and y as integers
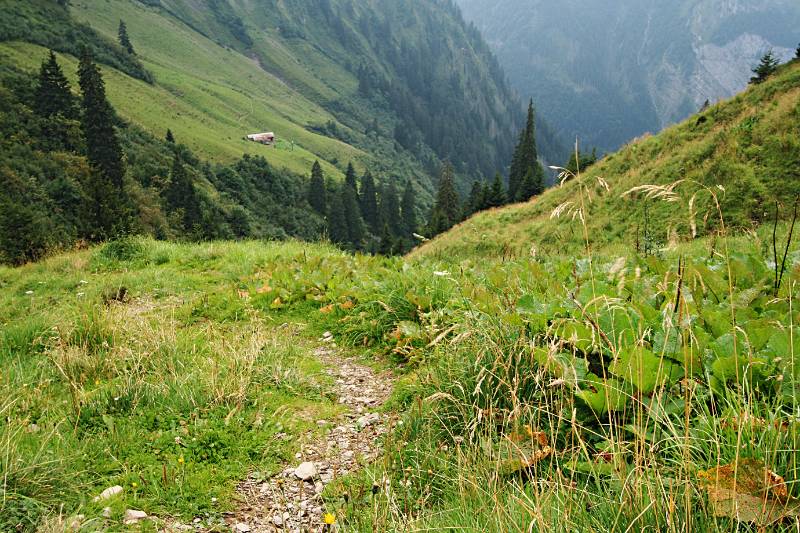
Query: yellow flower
{"type": "Point", "coordinates": [330, 519]}
{"type": "Point", "coordinates": [180, 460]}
{"type": "Point", "coordinates": [134, 484]}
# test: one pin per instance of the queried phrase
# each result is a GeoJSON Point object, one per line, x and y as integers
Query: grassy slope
{"type": "Point", "coordinates": [97, 392]}
{"type": "Point", "coordinates": [208, 95]}
{"type": "Point", "coordinates": [749, 144]}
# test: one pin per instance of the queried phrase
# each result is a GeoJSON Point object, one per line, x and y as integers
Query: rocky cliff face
{"type": "Point", "coordinates": [610, 71]}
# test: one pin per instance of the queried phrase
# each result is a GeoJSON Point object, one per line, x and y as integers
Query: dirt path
{"type": "Point", "coordinates": [290, 501]}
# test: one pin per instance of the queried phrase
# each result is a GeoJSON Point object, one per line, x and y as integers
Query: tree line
{"type": "Point", "coordinates": [362, 215]}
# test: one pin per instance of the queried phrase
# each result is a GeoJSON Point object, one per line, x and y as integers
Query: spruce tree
{"type": "Point", "coordinates": [350, 177]}
{"type": "Point", "coordinates": [180, 194]}
{"type": "Point", "coordinates": [53, 94]}
{"type": "Point", "coordinates": [387, 243]}
{"type": "Point", "coordinates": [111, 206]}
{"type": "Point", "coordinates": [124, 40]}
{"type": "Point", "coordinates": [797, 52]}
{"type": "Point", "coordinates": [389, 209]}
{"type": "Point", "coordinates": [337, 223]}
{"type": "Point", "coordinates": [475, 199]}
{"type": "Point", "coordinates": [317, 196]}
{"type": "Point", "coordinates": [369, 203]}
{"type": "Point", "coordinates": [765, 68]}
{"type": "Point", "coordinates": [170, 138]}
{"type": "Point", "coordinates": [525, 161]}
{"type": "Point", "coordinates": [446, 210]}
{"type": "Point", "coordinates": [409, 213]}
{"type": "Point", "coordinates": [497, 193]}
{"type": "Point", "coordinates": [352, 215]}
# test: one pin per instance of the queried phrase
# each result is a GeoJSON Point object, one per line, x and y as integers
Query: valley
{"type": "Point", "coordinates": [386, 319]}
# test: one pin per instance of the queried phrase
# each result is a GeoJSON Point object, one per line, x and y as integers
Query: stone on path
{"type": "Point", "coordinates": [132, 516]}
{"type": "Point", "coordinates": [241, 527]}
{"type": "Point", "coordinates": [108, 493]}
{"type": "Point", "coordinates": [306, 471]}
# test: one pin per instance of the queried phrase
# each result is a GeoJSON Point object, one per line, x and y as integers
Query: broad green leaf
{"type": "Point", "coordinates": [644, 369]}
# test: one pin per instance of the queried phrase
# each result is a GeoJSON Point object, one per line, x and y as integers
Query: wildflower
{"type": "Point", "coordinates": [134, 485]}
{"type": "Point", "coordinates": [329, 519]}
{"type": "Point", "coordinates": [180, 460]}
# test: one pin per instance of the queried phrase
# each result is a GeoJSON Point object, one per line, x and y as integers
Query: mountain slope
{"type": "Point", "coordinates": [749, 145]}
{"type": "Point", "coordinates": [375, 82]}
{"type": "Point", "coordinates": [610, 71]}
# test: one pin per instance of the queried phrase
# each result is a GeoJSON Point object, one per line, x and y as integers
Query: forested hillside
{"type": "Point", "coordinates": [610, 71]}
{"type": "Point", "coordinates": [397, 87]}
{"type": "Point", "coordinates": [746, 151]}
{"type": "Point", "coordinates": [378, 93]}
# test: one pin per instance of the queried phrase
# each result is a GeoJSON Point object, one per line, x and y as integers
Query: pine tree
{"type": "Point", "coordinates": [475, 199]}
{"type": "Point", "coordinates": [317, 196]}
{"type": "Point", "coordinates": [389, 209]}
{"type": "Point", "coordinates": [446, 210]}
{"type": "Point", "coordinates": [170, 138]}
{"type": "Point", "coordinates": [53, 94]}
{"type": "Point", "coordinates": [111, 206]}
{"type": "Point", "coordinates": [497, 193]}
{"type": "Point", "coordinates": [765, 68]}
{"type": "Point", "coordinates": [180, 194]}
{"type": "Point", "coordinates": [124, 40]}
{"type": "Point", "coordinates": [352, 215]}
{"type": "Point", "coordinates": [350, 177]}
{"type": "Point", "coordinates": [797, 52]}
{"type": "Point", "coordinates": [525, 161]}
{"type": "Point", "coordinates": [369, 203]}
{"type": "Point", "coordinates": [387, 244]}
{"type": "Point", "coordinates": [337, 223]}
{"type": "Point", "coordinates": [409, 213]}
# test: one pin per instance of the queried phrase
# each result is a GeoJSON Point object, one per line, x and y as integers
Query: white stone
{"type": "Point", "coordinates": [108, 493]}
{"type": "Point", "coordinates": [241, 527]}
{"type": "Point", "coordinates": [106, 512]}
{"type": "Point", "coordinates": [132, 516]}
{"type": "Point", "coordinates": [277, 520]}
{"type": "Point", "coordinates": [306, 471]}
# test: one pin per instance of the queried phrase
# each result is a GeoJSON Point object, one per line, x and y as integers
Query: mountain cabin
{"type": "Point", "coordinates": [263, 138]}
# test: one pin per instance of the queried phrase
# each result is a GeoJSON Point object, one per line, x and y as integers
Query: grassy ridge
{"type": "Point", "coordinates": [540, 392]}
{"type": "Point", "coordinates": [749, 145]}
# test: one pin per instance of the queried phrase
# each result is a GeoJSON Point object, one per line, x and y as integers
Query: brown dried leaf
{"type": "Point", "coordinates": [749, 492]}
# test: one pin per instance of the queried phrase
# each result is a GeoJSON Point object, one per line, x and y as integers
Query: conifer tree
{"type": "Point", "coordinates": [337, 223]}
{"type": "Point", "coordinates": [475, 199]}
{"type": "Point", "coordinates": [317, 196]}
{"type": "Point", "coordinates": [180, 194]}
{"type": "Point", "coordinates": [369, 203]}
{"type": "Point", "coordinates": [387, 243]}
{"type": "Point", "coordinates": [446, 210]}
{"type": "Point", "coordinates": [352, 215]}
{"type": "Point", "coordinates": [389, 209]}
{"type": "Point", "coordinates": [525, 159]}
{"type": "Point", "coordinates": [170, 138]}
{"type": "Point", "coordinates": [350, 177]}
{"type": "Point", "coordinates": [111, 206]}
{"type": "Point", "coordinates": [497, 193]}
{"type": "Point", "coordinates": [409, 213]}
{"type": "Point", "coordinates": [765, 68]}
{"type": "Point", "coordinates": [797, 52]}
{"type": "Point", "coordinates": [53, 94]}
{"type": "Point", "coordinates": [124, 39]}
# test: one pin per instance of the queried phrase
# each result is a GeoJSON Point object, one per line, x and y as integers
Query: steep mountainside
{"type": "Point", "coordinates": [611, 71]}
{"type": "Point", "coordinates": [745, 150]}
{"type": "Point", "coordinates": [395, 86]}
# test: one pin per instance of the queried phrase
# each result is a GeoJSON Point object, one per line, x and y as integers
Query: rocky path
{"type": "Point", "coordinates": [290, 501]}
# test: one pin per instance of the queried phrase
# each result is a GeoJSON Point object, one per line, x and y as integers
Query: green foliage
{"type": "Point", "coordinates": [53, 95]}
{"type": "Point", "coordinates": [124, 39]}
{"type": "Point", "coordinates": [317, 196]}
{"type": "Point", "coordinates": [45, 23]}
{"type": "Point", "coordinates": [110, 206]}
{"type": "Point", "coordinates": [765, 68]}
{"type": "Point", "coordinates": [496, 194]}
{"type": "Point", "coordinates": [368, 200]}
{"type": "Point", "coordinates": [446, 211]}
{"type": "Point", "coordinates": [526, 178]}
